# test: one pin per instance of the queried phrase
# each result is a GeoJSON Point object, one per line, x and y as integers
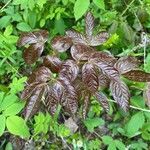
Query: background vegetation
{"type": "Point", "coordinates": [128, 22]}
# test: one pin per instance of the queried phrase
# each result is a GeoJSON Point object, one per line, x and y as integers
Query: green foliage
{"type": "Point", "coordinates": [80, 7]}
{"type": "Point", "coordinates": [17, 126]}
{"type": "Point", "coordinates": [125, 21]}
{"type": "Point", "coordinates": [91, 123]}
{"type": "Point", "coordinates": [113, 144]}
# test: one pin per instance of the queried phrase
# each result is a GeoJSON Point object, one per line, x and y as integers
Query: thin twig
{"type": "Point", "coordinates": [128, 6]}
{"type": "Point", "coordinates": [134, 107]}
{"type": "Point", "coordinates": [5, 5]}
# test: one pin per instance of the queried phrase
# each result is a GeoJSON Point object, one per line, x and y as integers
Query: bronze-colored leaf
{"type": "Point", "coordinates": [81, 52]}
{"type": "Point", "coordinates": [41, 74]}
{"type": "Point", "coordinates": [53, 63]}
{"type": "Point", "coordinates": [106, 69]}
{"type": "Point", "coordinates": [102, 99]}
{"type": "Point", "coordinates": [51, 102]}
{"type": "Point", "coordinates": [89, 25]}
{"type": "Point", "coordinates": [86, 101]}
{"type": "Point", "coordinates": [146, 94]}
{"type": "Point", "coordinates": [137, 76]}
{"type": "Point", "coordinates": [27, 92]}
{"type": "Point", "coordinates": [33, 37]}
{"type": "Point", "coordinates": [103, 56]}
{"type": "Point", "coordinates": [55, 94]}
{"type": "Point", "coordinates": [34, 102]}
{"type": "Point", "coordinates": [61, 43]}
{"type": "Point", "coordinates": [99, 39]}
{"type": "Point", "coordinates": [120, 93]}
{"type": "Point", "coordinates": [126, 64]}
{"type": "Point", "coordinates": [103, 80]}
{"type": "Point", "coordinates": [32, 53]}
{"type": "Point", "coordinates": [90, 77]}
{"type": "Point", "coordinates": [69, 70]}
{"type": "Point", "coordinates": [71, 99]}
{"type": "Point", "coordinates": [77, 37]}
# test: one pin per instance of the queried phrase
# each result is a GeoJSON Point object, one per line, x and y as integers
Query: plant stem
{"type": "Point", "coordinates": [128, 6]}
{"type": "Point", "coordinates": [5, 5]}
{"type": "Point", "coordinates": [134, 107]}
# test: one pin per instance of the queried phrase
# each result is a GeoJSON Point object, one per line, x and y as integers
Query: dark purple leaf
{"type": "Point", "coordinates": [33, 37]}
{"type": "Point", "coordinates": [86, 100]}
{"type": "Point", "coordinates": [89, 24]}
{"type": "Point", "coordinates": [120, 93]}
{"type": "Point", "coordinates": [34, 102]}
{"type": "Point", "coordinates": [146, 94]}
{"type": "Point", "coordinates": [137, 75]}
{"type": "Point", "coordinates": [90, 77]}
{"type": "Point", "coordinates": [69, 70]}
{"type": "Point", "coordinates": [103, 56]}
{"type": "Point", "coordinates": [53, 63]}
{"type": "Point", "coordinates": [32, 53]}
{"type": "Point", "coordinates": [41, 74]}
{"type": "Point", "coordinates": [71, 98]}
{"type": "Point", "coordinates": [103, 80]}
{"type": "Point", "coordinates": [61, 43]}
{"type": "Point", "coordinates": [106, 69]}
{"type": "Point", "coordinates": [27, 92]}
{"type": "Point", "coordinates": [102, 99]}
{"type": "Point", "coordinates": [126, 64]}
{"type": "Point", "coordinates": [99, 39]}
{"type": "Point", "coordinates": [77, 37]}
{"type": "Point", "coordinates": [81, 52]}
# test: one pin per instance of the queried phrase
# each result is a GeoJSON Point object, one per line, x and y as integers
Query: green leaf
{"type": "Point", "coordinates": [107, 140]}
{"type": "Point", "coordinates": [91, 123]}
{"type": "Point", "coordinates": [99, 3]}
{"type": "Point", "coordinates": [14, 109]}
{"type": "Point", "coordinates": [119, 145]}
{"type": "Point", "coordinates": [17, 85]}
{"type": "Point", "coordinates": [2, 124]}
{"type": "Point", "coordinates": [1, 97]}
{"type": "Point", "coordinates": [8, 101]}
{"type": "Point", "coordinates": [9, 146]}
{"type": "Point", "coordinates": [94, 144]}
{"type": "Point", "coordinates": [4, 21]}
{"type": "Point", "coordinates": [147, 63]}
{"type": "Point", "coordinates": [8, 30]}
{"type": "Point", "coordinates": [135, 123]}
{"type": "Point", "coordinates": [17, 126]}
{"type": "Point", "coordinates": [80, 7]}
{"type": "Point", "coordinates": [32, 19]}
{"type": "Point", "coordinates": [22, 26]}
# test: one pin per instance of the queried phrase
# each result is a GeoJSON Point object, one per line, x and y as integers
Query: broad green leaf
{"type": "Point", "coordinates": [1, 97]}
{"type": "Point", "coordinates": [80, 7]}
{"type": "Point", "coordinates": [135, 123]}
{"type": "Point", "coordinates": [22, 26]}
{"type": "Point", "coordinates": [17, 126]}
{"type": "Point", "coordinates": [99, 3]}
{"type": "Point", "coordinates": [91, 123]}
{"type": "Point", "coordinates": [9, 146]}
{"type": "Point", "coordinates": [8, 30]}
{"type": "Point", "coordinates": [2, 124]}
{"type": "Point", "coordinates": [94, 144]}
{"type": "Point", "coordinates": [147, 64]}
{"type": "Point", "coordinates": [63, 131]}
{"type": "Point", "coordinates": [119, 145]}
{"type": "Point", "coordinates": [137, 101]}
{"type": "Point", "coordinates": [4, 21]}
{"type": "Point", "coordinates": [17, 85]}
{"type": "Point", "coordinates": [107, 140]}
{"type": "Point", "coordinates": [32, 19]}
{"type": "Point", "coordinates": [14, 109]}
{"type": "Point", "coordinates": [8, 101]}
